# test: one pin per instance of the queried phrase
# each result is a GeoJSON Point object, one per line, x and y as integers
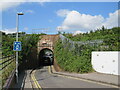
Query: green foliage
{"type": "Point", "coordinates": [7, 45]}
{"type": "Point", "coordinates": [79, 59]}
{"type": "Point", "coordinates": [111, 37]}
{"type": "Point", "coordinates": [70, 61]}
{"type": "Point", "coordinates": [8, 69]}
{"type": "Point", "coordinates": [29, 41]}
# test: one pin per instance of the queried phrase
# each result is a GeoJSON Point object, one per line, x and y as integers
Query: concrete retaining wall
{"type": "Point", "coordinates": [106, 62]}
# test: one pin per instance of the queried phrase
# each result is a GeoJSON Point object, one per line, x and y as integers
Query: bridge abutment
{"type": "Point", "coordinates": [47, 42]}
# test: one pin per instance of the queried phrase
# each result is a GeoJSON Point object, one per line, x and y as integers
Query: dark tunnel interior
{"type": "Point", "coordinates": [46, 57]}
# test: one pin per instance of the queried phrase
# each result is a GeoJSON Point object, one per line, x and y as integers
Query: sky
{"type": "Point", "coordinates": [51, 17]}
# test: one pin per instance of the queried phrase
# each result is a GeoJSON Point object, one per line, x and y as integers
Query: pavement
{"type": "Point", "coordinates": [24, 80]}
{"type": "Point", "coordinates": [94, 76]}
{"type": "Point", "coordinates": [27, 83]}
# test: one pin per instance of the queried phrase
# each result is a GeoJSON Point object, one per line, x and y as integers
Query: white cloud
{"type": "Point", "coordinates": [6, 4]}
{"type": "Point", "coordinates": [41, 2]}
{"type": "Point", "coordinates": [50, 21]}
{"type": "Point", "coordinates": [85, 22]}
{"type": "Point", "coordinates": [112, 20]}
{"type": "Point", "coordinates": [77, 32]}
{"type": "Point", "coordinates": [63, 12]}
{"type": "Point", "coordinates": [29, 11]}
{"type": "Point", "coordinates": [13, 30]}
{"type": "Point", "coordinates": [25, 28]}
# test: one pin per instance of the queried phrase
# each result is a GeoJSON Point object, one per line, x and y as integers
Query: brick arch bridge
{"type": "Point", "coordinates": [46, 42]}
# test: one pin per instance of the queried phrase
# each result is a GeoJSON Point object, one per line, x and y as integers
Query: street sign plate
{"type": "Point", "coordinates": [17, 46]}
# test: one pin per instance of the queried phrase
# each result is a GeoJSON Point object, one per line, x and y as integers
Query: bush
{"type": "Point", "coordinates": [72, 62]}
{"type": "Point", "coordinates": [79, 59]}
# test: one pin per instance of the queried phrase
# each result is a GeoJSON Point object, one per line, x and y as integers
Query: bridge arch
{"type": "Point", "coordinates": [46, 56]}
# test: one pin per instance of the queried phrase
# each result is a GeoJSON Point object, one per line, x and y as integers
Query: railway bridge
{"type": "Point", "coordinates": [46, 47]}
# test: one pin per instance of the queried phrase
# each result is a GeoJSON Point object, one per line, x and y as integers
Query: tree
{"type": "Point", "coordinates": [103, 28]}
{"type": "Point", "coordinates": [59, 32]}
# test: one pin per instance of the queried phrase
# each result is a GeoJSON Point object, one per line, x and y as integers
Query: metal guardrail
{"type": "Point", "coordinates": [10, 60]}
{"type": "Point", "coordinates": [7, 65]}
{"type": "Point", "coordinates": [63, 38]}
{"type": "Point", "coordinates": [79, 46]}
{"type": "Point", "coordinates": [66, 41]}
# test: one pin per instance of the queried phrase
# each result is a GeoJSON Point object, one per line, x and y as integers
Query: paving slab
{"type": "Point", "coordinates": [27, 83]}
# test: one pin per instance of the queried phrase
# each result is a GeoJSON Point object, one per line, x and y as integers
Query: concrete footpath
{"type": "Point", "coordinates": [97, 77]}
{"type": "Point", "coordinates": [24, 80]}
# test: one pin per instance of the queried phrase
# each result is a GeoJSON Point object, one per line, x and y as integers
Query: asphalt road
{"type": "Point", "coordinates": [49, 80]}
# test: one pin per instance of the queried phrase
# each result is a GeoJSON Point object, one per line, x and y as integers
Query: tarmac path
{"type": "Point", "coordinates": [46, 79]}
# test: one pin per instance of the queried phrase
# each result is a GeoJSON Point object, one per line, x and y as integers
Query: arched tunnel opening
{"type": "Point", "coordinates": [46, 57]}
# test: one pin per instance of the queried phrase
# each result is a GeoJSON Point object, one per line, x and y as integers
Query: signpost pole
{"type": "Point", "coordinates": [17, 28]}
{"type": "Point", "coordinates": [17, 19]}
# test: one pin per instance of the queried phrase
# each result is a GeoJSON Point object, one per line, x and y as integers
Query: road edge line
{"type": "Point", "coordinates": [35, 81]}
{"type": "Point", "coordinates": [83, 79]}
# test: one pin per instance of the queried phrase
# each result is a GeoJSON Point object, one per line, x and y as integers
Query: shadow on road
{"type": "Point", "coordinates": [25, 72]}
{"type": "Point", "coordinates": [21, 79]}
{"type": "Point", "coordinates": [28, 65]}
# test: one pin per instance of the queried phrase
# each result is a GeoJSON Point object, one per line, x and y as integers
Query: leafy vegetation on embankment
{"type": "Point", "coordinates": [28, 41]}
{"type": "Point", "coordinates": [71, 61]}
{"type": "Point", "coordinates": [111, 37]}
{"type": "Point", "coordinates": [79, 59]}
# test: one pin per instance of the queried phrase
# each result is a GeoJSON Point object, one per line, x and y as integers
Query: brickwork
{"type": "Point", "coordinates": [47, 41]}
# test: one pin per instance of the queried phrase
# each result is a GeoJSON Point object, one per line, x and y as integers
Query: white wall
{"type": "Point", "coordinates": [106, 62]}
